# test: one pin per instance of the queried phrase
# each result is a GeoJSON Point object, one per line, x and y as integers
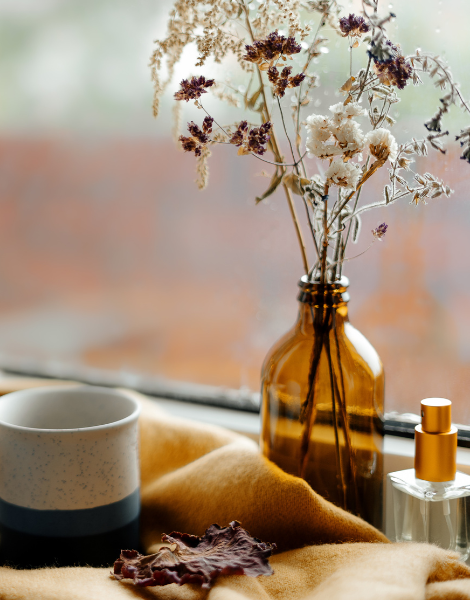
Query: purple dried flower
{"type": "Point", "coordinates": [380, 231]}
{"type": "Point", "coordinates": [254, 140]}
{"type": "Point", "coordinates": [189, 144]}
{"type": "Point", "coordinates": [283, 80]}
{"type": "Point", "coordinates": [197, 133]}
{"type": "Point", "coordinates": [258, 138]}
{"type": "Point", "coordinates": [389, 65]}
{"type": "Point", "coordinates": [266, 127]}
{"type": "Point", "coordinates": [296, 80]}
{"type": "Point", "coordinates": [207, 124]}
{"type": "Point", "coordinates": [273, 74]}
{"type": "Point", "coordinates": [271, 48]}
{"type": "Point", "coordinates": [286, 71]}
{"type": "Point", "coordinates": [396, 72]}
{"type": "Point", "coordinates": [291, 47]}
{"type": "Point", "coordinates": [281, 87]}
{"type": "Point", "coordinates": [354, 26]}
{"type": "Point", "coordinates": [191, 90]}
{"type": "Point", "coordinates": [199, 137]}
{"type": "Point", "coordinates": [239, 136]}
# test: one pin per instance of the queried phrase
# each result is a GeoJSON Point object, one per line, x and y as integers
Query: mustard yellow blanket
{"type": "Point", "coordinates": [194, 475]}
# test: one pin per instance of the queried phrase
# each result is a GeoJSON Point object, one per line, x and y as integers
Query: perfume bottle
{"type": "Point", "coordinates": [431, 503]}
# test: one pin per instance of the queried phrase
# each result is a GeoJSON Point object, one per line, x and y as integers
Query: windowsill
{"type": "Point", "coordinates": [398, 451]}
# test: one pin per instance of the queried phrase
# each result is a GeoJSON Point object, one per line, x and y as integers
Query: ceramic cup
{"type": "Point", "coordinates": [69, 476]}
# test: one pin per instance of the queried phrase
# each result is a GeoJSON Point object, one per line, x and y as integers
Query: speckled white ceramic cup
{"type": "Point", "coordinates": [69, 475]}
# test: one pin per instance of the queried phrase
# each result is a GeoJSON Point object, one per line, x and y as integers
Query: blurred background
{"type": "Point", "coordinates": [112, 261]}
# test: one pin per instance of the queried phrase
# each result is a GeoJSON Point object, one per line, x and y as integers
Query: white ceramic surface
{"type": "Point", "coordinates": [68, 448]}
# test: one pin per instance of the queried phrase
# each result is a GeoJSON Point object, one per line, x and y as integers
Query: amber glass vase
{"type": "Point", "coordinates": [322, 403]}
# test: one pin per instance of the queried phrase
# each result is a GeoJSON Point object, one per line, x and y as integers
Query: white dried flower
{"type": "Point", "coordinates": [318, 134]}
{"type": "Point", "coordinates": [344, 174]}
{"type": "Point", "coordinates": [346, 111]}
{"type": "Point", "coordinates": [327, 138]}
{"type": "Point", "coordinates": [318, 128]}
{"type": "Point", "coordinates": [350, 137]}
{"type": "Point", "coordinates": [322, 149]}
{"type": "Point", "coordinates": [382, 144]}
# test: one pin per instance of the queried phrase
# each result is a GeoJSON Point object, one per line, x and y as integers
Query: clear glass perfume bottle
{"type": "Point", "coordinates": [431, 503]}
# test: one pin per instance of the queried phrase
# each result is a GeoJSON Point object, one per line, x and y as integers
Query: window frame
{"type": "Point", "coordinates": [217, 398]}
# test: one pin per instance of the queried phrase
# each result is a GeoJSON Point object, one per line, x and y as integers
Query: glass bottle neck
{"type": "Point", "coordinates": [323, 305]}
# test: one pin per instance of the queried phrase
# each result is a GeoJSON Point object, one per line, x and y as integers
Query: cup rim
{"type": "Point", "coordinates": [128, 394]}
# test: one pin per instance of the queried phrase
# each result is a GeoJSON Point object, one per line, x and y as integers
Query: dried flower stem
{"type": "Point", "coordinates": [325, 236]}
{"type": "Point", "coordinates": [442, 67]}
{"type": "Point", "coordinates": [344, 415]}
{"type": "Point", "coordinates": [333, 387]}
{"type": "Point", "coordinates": [352, 257]}
{"type": "Point", "coordinates": [277, 154]}
{"type": "Point", "coordinates": [312, 229]}
{"type": "Point", "coordinates": [373, 168]}
{"type": "Point", "coordinates": [300, 239]}
{"type": "Point", "coordinates": [358, 195]}
{"type": "Point", "coordinates": [310, 54]}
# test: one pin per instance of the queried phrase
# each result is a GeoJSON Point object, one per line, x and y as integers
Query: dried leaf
{"type": "Point", "coordinates": [275, 182]}
{"type": "Point", "coordinates": [294, 183]}
{"type": "Point", "coordinates": [347, 85]}
{"type": "Point", "coordinates": [387, 194]}
{"type": "Point", "coordinates": [264, 66]}
{"type": "Point", "coordinates": [191, 559]}
{"type": "Point", "coordinates": [250, 104]}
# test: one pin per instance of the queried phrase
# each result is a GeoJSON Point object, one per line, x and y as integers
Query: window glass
{"type": "Point", "coordinates": [110, 256]}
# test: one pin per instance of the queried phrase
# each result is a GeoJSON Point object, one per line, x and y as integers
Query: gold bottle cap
{"type": "Point", "coordinates": [436, 415]}
{"type": "Point", "coordinates": [436, 441]}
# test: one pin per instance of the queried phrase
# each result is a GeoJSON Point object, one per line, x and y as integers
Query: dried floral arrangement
{"type": "Point", "coordinates": [275, 62]}
{"type": "Point", "coordinates": [190, 559]}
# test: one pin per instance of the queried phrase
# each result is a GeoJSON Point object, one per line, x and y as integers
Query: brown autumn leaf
{"type": "Point", "coordinates": [295, 183]}
{"type": "Point", "coordinates": [191, 559]}
{"type": "Point", "coordinates": [347, 85]}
